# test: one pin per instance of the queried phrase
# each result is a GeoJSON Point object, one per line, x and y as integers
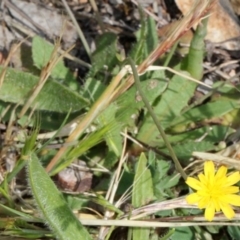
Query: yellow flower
{"type": "Point", "coordinates": [215, 191]}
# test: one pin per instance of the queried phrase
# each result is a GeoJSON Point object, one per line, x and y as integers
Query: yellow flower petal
{"type": "Point", "coordinates": [209, 212]}
{"type": "Point", "coordinates": [202, 179]}
{"type": "Point", "coordinates": [192, 198]}
{"type": "Point", "coordinates": [209, 171]}
{"type": "Point", "coordinates": [194, 183]}
{"type": "Point", "coordinates": [203, 192]}
{"type": "Point", "coordinates": [232, 179]}
{"type": "Point", "coordinates": [229, 190]}
{"type": "Point", "coordinates": [221, 173]}
{"type": "Point", "coordinates": [232, 199]}
{"type": "Point", "coordinates": [221, 177]}
{"type": "Point", "coordinates": [208, 168]}
{"type": "Point", "coordinates": [203, 202]}
{"type": "Point", "coordinates": [227, 210]}
{"type": "Point", "coordinates": [216, 204]}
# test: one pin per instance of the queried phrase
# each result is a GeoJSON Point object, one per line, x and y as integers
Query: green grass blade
{"type": "Point", "coordinates": [10, 212]}
{"type": "Point", "coordinates": [143, 185]}
{"type": "Point", "coordinates": [52, 204]}
{"type": "Point", "coordinates": [142, 194]}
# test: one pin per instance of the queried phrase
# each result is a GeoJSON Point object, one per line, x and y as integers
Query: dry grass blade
{"type": "Point", "coordinates": [6, 63]}
{"type": "Point", "coordinates": [154, 68]}
{"type": "Point", "coordinates": [111, 193]}
{"type": "Point", "coordinates": [219, 159]}
{"type": "Point", "coordinates": [132, 223]}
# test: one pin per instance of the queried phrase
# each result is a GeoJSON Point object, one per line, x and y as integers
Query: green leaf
{"type": "Point", "coordinates": [52, 205]}
{"type": "Point", "coordinates": [140, 233]}
{"type": "Point", "coordinates": [208, 133]}
{"type": "Point", "coordinates": [76, 202]}
{"type": "Point", "coordinates": [152, 89]}
{"type": "Point", "coordinates": [41, 53]}
{"type": "Point", "coordinates": [161, 180]}
{"type": "Point", "coordinates": [207, 111]}
{"type": "Point", "coordinates": [175, 98]}
{"type": "Point", "coordinates": [184, 150]}
{"type": "Point", "coordinates": [169, 107]}
{"type": "Point", "coordinates": [168, 234]}
{"type": "Point", "coordinates": [234, 232]}
{"type": "Point", "coordinates": [105, 54]}
{"type": "Point", "coordinates": [17, 87]}
{"type": "Point", "coordinates": [213, 229]}
{"type": "Point", "coordinates": [182, 233]}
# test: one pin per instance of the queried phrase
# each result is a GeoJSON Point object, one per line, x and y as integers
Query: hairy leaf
{"type": "Point", "coordinates": [105, 54]}
{"type": "Point", "coordinates": [52, 204]}
{"type": "Point", "coordinates": [17, 87]}
{"type": "Point", "coordinates": [41, 53]}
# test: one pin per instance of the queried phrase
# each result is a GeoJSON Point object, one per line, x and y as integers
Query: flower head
{"type": "Point", "coordinates": [214, 191]}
